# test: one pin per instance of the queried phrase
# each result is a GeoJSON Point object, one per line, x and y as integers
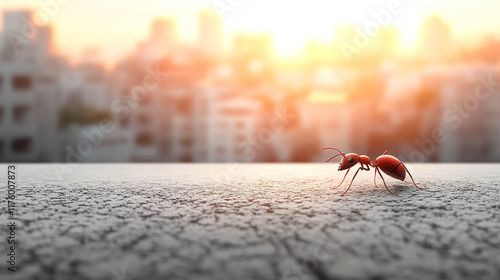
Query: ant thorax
{"type": "Point", "coordinates": [364, 159]}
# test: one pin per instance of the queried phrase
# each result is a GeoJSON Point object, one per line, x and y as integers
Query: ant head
{"type": "Point", "coordinates": [348, 161]}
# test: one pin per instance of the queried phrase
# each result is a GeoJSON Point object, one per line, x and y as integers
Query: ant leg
{"type": "Point", "coordinates": [375, 175]}
{"type": "Point", "coordinates": [351, 181]}
{"type": "Point", "coordinates": [412, 178]}
{"type": "Point", "coordinates": [342, 180]}
{"type": "Point", "coordinates": [367, 167]}
{"type": "Point", "coordinates": [411, 183]}
{"type": "Point", "coordinates": [386, 153]}
{"type": "Point", "coordinates": [384, 181]}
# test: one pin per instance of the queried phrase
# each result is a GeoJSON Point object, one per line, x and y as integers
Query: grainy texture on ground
{"type": "Point", "coordinates": [255, 221]}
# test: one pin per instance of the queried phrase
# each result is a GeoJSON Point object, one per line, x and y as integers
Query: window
{"type": "Point", "coordinates": [20, 113]}
{"type": "Point", "coordinates": [222, 125]}
{"type": "Point", "coordinates": [94, 78]}
{"type": "Point", "coordinates": [21, 82]}
{"type": "Point", "coordinates": [144, 99]}
{"type": "Point", "coordinates": [240, 124]}
{"type": "Point", "coordinates": [221, 150]}
{"type": "Point", "coordinates": [144, 139]}
{"type": "Point", "coordinates": [1, 148]}
{"type": "Point", "coordinates": [203, 154]}
{"type": "Point", "coordinates": [186, 142]}
{"type": "Point", "coordinates": [124, 122]}
{"type": "Point", "coordinates": [47, 80]}
{"type": "Point", "coordinates": [184, 105]}
{"type": "Point", "coordinates": [240, 138]}
{"type": "Point", "coordinates": [143, 119]}
{"type": "Point", "coordinates": [186, 158]}
{"type": "Point", "coordinates": [21, 145]}
{"type": "Point", "coordinates": [235, 112]}
{"type": "Point", "coordinates": [186, 126]}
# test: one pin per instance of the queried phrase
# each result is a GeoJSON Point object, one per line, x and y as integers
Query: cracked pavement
{"type": "Point", "coordinates": [255, 221]}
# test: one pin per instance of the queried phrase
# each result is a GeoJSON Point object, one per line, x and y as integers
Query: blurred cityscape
{"type": "Point", "coordinates": [172, 102]}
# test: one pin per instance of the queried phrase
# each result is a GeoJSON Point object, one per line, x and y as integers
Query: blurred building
{"type": "Point", "coordinates": [345, 34]}
{"type": "Point", "coordinates": [210, 40]}
{"type": "Point", "coordinates": [231, 124]}
{"type": "Point", "coordinates": [90, 86]}
{"type": "Point", "coordinates": [48, 105]}
{"type": "Point", "coordinates": [327, 114]}
{"type": "Point", "coordinates": [163, 33]}
{"type": "Point", "coordinates": [435, 40]}
{"type": "Point", "coordinates": [18, 121]}
{"type": "Point", "coordinates": [162, 41]}
{"type": "Point", "coordinates": [180, 130]}
{"type": "Point", "coordinates": [90, 143]}
{"type": "Point", "coordinates": [28, 97]}
{"type": "Point", "coordinates": [385, 43]}
{"type": "Point", "coordinates": [44, 45]}
{"type": "Point", "coordinates": [169, 102]}
{"type": "Point", "coordinates": [19, 34]}
{"type": "Point", "coordinates": [138, 111]}
{"type": "Point", "coordinates": [471, 123]}
{"type": "Point", "coordinates": [253, 58]}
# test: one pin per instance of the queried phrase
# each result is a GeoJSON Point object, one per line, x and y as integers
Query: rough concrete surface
{"type": "Point", "coordinates": [253, 221]}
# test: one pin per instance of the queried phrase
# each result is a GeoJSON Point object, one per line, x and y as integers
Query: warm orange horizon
{"type": "Point", "coordinates": [115, 29]}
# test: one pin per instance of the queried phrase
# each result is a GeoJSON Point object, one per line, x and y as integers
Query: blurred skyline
{"type": "Point", "coordinates": [114, 29]}
{"type": "Point", "coordinates": [132, 86]}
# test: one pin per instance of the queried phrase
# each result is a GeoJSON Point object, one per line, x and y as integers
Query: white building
{"type": "Point", "coordinates": [19, 139]}
{"type": "Point", "coordinates": [19, 33]}
{"type": "Point", "coordinates": [210, 34]}
{"type": "Point", "coordinates": [327, 113]}
{"type": "Point", "coordinates": [470, 123]}
{"type": "Point", "coordinates": [162, 42]}
{"type": "Point", "coordinates": [88, 86]}
{"type": "Point", "coordinates": [92, 143]}
{"type": "Point", "coordinates": [47, 109]}
{"type": "Point", "coordinates": [145, 122]}
{"type": "Point", "coordinates": [227, 124]}
{"type": "Point", "coordinates": [435, 40]}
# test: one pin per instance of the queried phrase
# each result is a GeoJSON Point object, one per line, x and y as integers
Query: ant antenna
{"type": "Point", "coordinates": [330, 148]}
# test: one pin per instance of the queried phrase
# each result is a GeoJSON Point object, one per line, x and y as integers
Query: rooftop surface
{"type": "Point", "coordinates": [253, 221]}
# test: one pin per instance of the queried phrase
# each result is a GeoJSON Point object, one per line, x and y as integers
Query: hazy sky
{"type": "Point", "coordinates": [115, 26]}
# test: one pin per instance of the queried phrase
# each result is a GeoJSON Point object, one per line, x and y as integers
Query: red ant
{"type": "Point", "coordinates": [387, 163]}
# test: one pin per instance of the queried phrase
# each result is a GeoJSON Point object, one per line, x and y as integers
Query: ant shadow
{"type": "Point", "coordinates": [395, 188]}
{"type": "Point", "coordinates": [402, 188]}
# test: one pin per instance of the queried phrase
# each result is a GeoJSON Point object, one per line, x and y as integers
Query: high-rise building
{"type": "Point", "coordinates": [44, 44]}
{"type": "Point", "coordinates": [321, 113]}
{"type": "Point", "coordinates": [231, 122]}
{"type": "Point", "coordinates": [19, 34]}
{"type": "Point", "coordinates": [471, 117]}
{"type": "Point", "coordinates": [210, 34]}
{"type": "Point", "coordinates": [162, 41]}
{"type": "Point", "coordinates": [386, 41]}
{"type": "Point", "coordinates": [29, 91]}
{"type": "Point", "coordinates": [253, 57]}
{"type": "Point", "coordinates": [164, 33]}
{"type": "Point", "coordinates": [48, 105]}
{"type": "Point", "coordinates": [18, 120]}
{"type": "Point", "coordinates": [435, 40]}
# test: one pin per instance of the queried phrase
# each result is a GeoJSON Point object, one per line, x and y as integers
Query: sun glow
{"type": "Point", "coordinates": [292, 24]}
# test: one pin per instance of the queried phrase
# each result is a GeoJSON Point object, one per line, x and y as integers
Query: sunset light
{"type": "Point", "coordinates": [292, 24]}
{"type": "Point", "coordinates": [250, 139]}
